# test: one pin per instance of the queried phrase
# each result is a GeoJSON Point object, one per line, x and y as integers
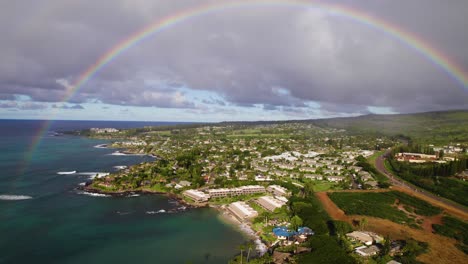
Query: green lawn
{"type": "Point", "coordinates": [322, 186]}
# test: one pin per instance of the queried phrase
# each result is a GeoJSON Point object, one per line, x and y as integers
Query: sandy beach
{"type": "Point", "coordinates": [244, 227]}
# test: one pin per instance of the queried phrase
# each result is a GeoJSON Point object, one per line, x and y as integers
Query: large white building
{"type": "Point", "coordinates": [269, 203]}
{"type": "Point", "coordinates": [278, 190]}
{"type": "Point", "coordinates": [243, 190]}
{"type": "Point", "coordinates": [196, 195]}
{"type": "Point", "coordinates": [242, 210]}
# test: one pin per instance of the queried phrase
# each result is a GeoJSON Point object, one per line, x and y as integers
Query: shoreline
{"type": "Point", "coordinates": [127, 193]}
{"type": "Point", "coordinates": [243, 227]}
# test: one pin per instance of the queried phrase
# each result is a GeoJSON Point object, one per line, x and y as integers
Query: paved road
{"type": "Point", "coordinates": [379, 164]}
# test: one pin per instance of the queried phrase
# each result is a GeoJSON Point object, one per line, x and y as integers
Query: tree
{"type": "Point", "coordinates": [241, 248]}
{"type": "Point", "coordinates": [296, 222]}
{"type": "Point", "coordinates": [441, 154]}
{"type": "Point", "coordinates": [250, 245]}
{"type": "Point", "coordinates": [363, 223]}
{"type": "Point", "coordinates": [386, 246]}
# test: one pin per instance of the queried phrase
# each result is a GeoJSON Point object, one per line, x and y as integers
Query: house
{"type": "Point", "coordinates": [303, 230]}
{"type": "Point", "coordinates": [335, 178]}
{"type": "Point", "coordinates": [362, 237]}
{"type": "Point", "coordinates": [313, 176]}
{"type": "Point", "coordinates": [185, 183]}
{"type": "Point", "coordinates": [367, 251]}
{"type": "Point", "coordinates": [283, 232]}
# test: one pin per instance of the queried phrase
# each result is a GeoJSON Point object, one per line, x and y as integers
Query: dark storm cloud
{"type": "Point", "coordinates": [278, 58]}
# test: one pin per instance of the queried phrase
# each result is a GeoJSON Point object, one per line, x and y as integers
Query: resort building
{"type": "Point", "coordinates": [196, 195]}
{"type": "Point", "coordinates": [251, 189]}
{"type": "Point", "coordinates": [216, 193]}
{"type": "Point", "coordinates": [242, 210]}
{"type": "Point", "coordinates": [278, 190]}
{"type": "Point", "coordinates": [269, 203]}
{"type": "Point", "coordinates": [243, 190]}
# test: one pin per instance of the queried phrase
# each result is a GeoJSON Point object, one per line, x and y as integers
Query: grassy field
{"type": "Point", "coordinates": [322, 186]}
{"type": "Point", "coordinates": [454, 228]}
{"type": "Point", "coordinates": [383, 205]}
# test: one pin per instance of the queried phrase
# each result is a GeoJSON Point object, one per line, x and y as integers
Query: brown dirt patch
{"type": "Point", "coordinates": [442, 249]}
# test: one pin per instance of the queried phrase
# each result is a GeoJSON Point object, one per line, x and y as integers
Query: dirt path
{"type": "Point", "coordinates": [441, 249]}
{"type": "Point", "coordinates": [428, 221]}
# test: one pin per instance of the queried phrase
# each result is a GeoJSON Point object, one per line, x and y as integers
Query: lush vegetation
{"type": "Point", "coordinates": [326, 249]}
{"type": "Point", "coordinates": [326, 246]}
{"type": "Point", "coordinates": [454, 228]}
{"type": "Point", "coordinates": [383, 205]}
{"type": "Point", "coordinates": [435, 177]}
{"type": "Point", "coordinates": [428, 128]}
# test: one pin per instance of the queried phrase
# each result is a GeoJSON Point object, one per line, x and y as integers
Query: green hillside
{"type": "Point", "coordinates": [431, 127]}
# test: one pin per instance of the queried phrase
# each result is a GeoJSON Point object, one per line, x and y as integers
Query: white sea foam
{"type": "Point", "coordinates": [11, 197]}
{"type": "Point", "coordinates": [156, 212]}
{"type": "Point", "coordinates": [82, 184]}
{"type": "Point", "coordinates": [93, 175]}
{"type": "Point", "coordinates": [118, 153]}
{"type": "Point", "coordinates": [133, 195]}
{"type": "Point", "coordinates": [94, 194]}
{"type": "Point", "coordinates": [66, 172]}
{"type": "Point", "coordinates": [260, 247]}
{"type": "Point", "coordinates": [123, 167]}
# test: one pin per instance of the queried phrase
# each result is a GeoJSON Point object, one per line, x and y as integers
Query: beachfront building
{"type": "Point", "coordinates": [243, 190]}
{"type": "Point", "coordinates": [222, 192]}
{"type": "Point", "coordinates": [196, 195]}
{"type": "Point", "coordinates": [242, 211]}
{"type": "Point", "coordinates": [278, 190]}
{"type": "Point", "coordinates": [252, 189]}
{"type": "Point", "coordinates": [269, 203]}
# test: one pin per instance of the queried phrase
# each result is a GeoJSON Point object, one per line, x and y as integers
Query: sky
{"type": "Point", "coordinates": [252, 62]}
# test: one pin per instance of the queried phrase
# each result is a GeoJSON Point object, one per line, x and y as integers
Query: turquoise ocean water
{"type": "Point", "coordinates": [45, 219]}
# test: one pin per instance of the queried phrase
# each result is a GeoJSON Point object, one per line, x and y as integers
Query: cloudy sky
{"type": "Point", "coordinates": [252, 62]}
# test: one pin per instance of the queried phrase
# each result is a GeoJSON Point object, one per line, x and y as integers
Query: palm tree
{"type": "Point", "coordinates": [250, 245]}
{"type": "Point", "coordinates": [241, 248]}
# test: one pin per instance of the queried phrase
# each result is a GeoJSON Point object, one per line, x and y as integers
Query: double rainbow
{"type": "Point", "coordinates": [406, 38]}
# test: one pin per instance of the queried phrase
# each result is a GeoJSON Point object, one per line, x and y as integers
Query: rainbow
{"type": "Point", "coordinates": [411, 40]}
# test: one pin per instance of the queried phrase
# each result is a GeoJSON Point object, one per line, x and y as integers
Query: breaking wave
{"type": "Point", "coordinates": [9, 197]}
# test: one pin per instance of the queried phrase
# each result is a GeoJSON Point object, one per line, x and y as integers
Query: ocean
{"type": "Point", "coordinates": [44, 218]}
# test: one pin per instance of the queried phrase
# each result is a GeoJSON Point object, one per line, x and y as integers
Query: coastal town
{"type": "Point", "coordinates": [269, 179]}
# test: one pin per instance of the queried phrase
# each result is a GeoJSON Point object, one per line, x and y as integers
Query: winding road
{"type": "Point", "coordinates": [401, 185]}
